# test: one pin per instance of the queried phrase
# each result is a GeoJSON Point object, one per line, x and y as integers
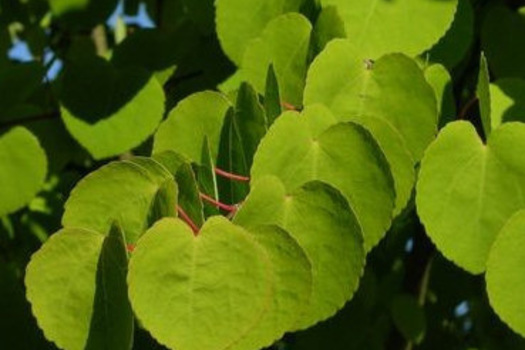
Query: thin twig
{"type": "Point", "coordinates": [184, 216]}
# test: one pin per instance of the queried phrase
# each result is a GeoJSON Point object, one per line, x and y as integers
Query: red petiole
{"type": "Point", "coordinates": [231, 176]}
{"type": "Point", "coordinates": [184, 216]}
{"type": "Point", "coordinates": [218, 204]}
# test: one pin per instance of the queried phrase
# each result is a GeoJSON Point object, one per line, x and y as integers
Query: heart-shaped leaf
{"type": "Point", "coordinates": [323, 224]}
{"type": "Point", "coordinates": [468, 190]}
{"type": "Point", "coordinates": [343, 155]}
{"type": "Point", "coordinates": [285, 44]}
{"type": "Point", "coordinates": [209, 290]}
{"type": "Point", "coordinates": [109, 111]}
{"type": "Point", "coordinates": [77, 288]}
{"type": "Point", "coordinates": [196, 118]}
{"type": "Point", "coordinates": [505, 279]}
{"type": "Point", "coordinates": [379, 27]}
{"type": "Point", "coordinates": [126, 191]}
{"type": "Point", "coordinates": [23, 169]}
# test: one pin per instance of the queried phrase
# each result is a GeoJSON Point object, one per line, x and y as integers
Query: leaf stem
{"type": "Point", "coordinates": [231, 176]}
{"type": "Point", "coordinates": [467, 107]}
{"type": "Point", "coordinates": [289, 106]}
{"type": "Point", "coordinates": [217, 203]}
{"type": "Point", "coordinates": [184, 216]}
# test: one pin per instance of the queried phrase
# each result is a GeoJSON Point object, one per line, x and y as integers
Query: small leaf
{"type": "Point", "coordinates": [209, 289]}
{"type": "Point", "coordinates": [468, 190]}
{"type": "Point", "coordinates": [505, 280]}
{"type": "Point", "coordinates": [23, 169]}
{"type": "Point", "coordinates": [319, 218]}
{"type": "Point", "coordinates": [439, 78]}
{"type": "Point", "coordinates": [272, 96]}
{"type": "Point", "coordinates": [507, 101]}
{"type": "Point", "coordinates": [484, 96]}
{"type": "Point", "coordinates": [195, 118]}
{"type": "Point", "coordinates": [240, 21]}
{"type": "Point", "coordinates": [409, 318]}
{"type": "Point", "coordinates": [284, 43]}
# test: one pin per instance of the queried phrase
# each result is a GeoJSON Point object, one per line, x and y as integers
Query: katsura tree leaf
{"type": "Point", "coordinates": [381, 96]}
{"type": "Point", "coordinates": [240, 21]}
{"type": "Point", "coordinates": [507, 101]}
{"type": "Point", "coordinates": [392, 89]}
{"type": "Point", "coordinates": [484, 96]}
{"type": "Point", "coordinates": [439, 78]}
{"type": "Point", "coordinates": [502, 40]}
{"type": "Point", "coordinates": [196, 118]}
{"type": "Point", "coordinates": [453, 47]}
{"type": "Point", "coordinates": [293, 288]}
{"type": "Point", "coordinates": [379, 27]}
{"type": "Point", "coordinates": [123, 191]}
{"type": "Point", "coordinates": [311, 146]}
{"type": "Point", "coordinates": [209, 289]}
{"type": "Point", "coordinates": [284, 43]}
{"type": "Point", "coordinates": [189, 198]}
{"type": "Point", "coordinates": [107, 110]}
{"type": "Point", "coordinates": [409, 317]}
{"type": "Point", "coordinates": [468, 190]}
{"type": "Point", "coordinates": [23, 169]}
{"type": "Point", "coordinates": [82, 14]}
{"type": "Point", "coordinates": [319, 218]}
{"type": "Point", "coordinates": [77, 288]}
{"type": "Point", "coordinates": [505, 280]}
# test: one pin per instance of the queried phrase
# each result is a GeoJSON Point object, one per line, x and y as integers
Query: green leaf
{"type": "Point", "coordinates": [209, 289]}
{"type": "Point", "coordinates": [502, 36]}
{"type": "Point", "coordinates": [272, 96]}
{"type": "Point", "coordinates": [293, 287]}
{"type": "Point", "coordinates": [311, 146]}
{"type": "Point", "coordinates": [76, 286]}
{"type": "Point", "coordinates": [507, 100]}
{"type": "Point", "coordinates": [24, 167]}
{"type": "Point", "coordinates": [505, 281]}
{"type": "Point", "coordinates": [189, 198]}
{"type": "Point", "coordinates": [484, 96]}
{"type": "Point", "coordinates": [284, 43]}
{"type": "Point", "coordinates": [206, 178]}
{"type": "Point", "coordinates": [109, 111]}
{"type": "Point", "coordinates": [379, 27]}
{"type": "Point", "coordinates": [123, 191]}
{"type": "Point", "coordinates": [439, 78]}
{"type": "Point", "coordinates": [240, 21]}
{"type": "Point", "coordinates": [453, 47]}
{"type": "Point", "coordinates": [17, 83]}
{"type": "Point", "coordinates": [409, 318]}
{"type": "Point", "coordinates": [197, 117]}
{"type": "Point", "coordinates": [323, 224]}
{"type": "Point", "coordinates": [82, 14]}
{"type": "Point", "coordinates": [467, 190]}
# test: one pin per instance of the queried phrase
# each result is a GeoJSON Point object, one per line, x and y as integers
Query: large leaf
{"type": "Point", "coordinates": [284, 43]}
{"type": "Point", "coordinates": [23, 169]}
{"type": "Point", "coordinates": [110, 111]}
{"type": "Point", "coordinates": [311, 146]}
{"type": "Point", "coordinates": [503, 40]}
{"type": "Point", "coordinates": [323, 224]}
{"type": "Point", "coordinates": [239, 21]}
{"type": "Point", "coordinates": [467, 190]}
{"type": "Point", "coordinates": [124, 191]}
{"type": "Point", "coordinates": [292, 288]}
{"type": "Point", "coordinates": [378, 27]}
{"type": "Point", "coordinates": [209, 290]}
{"type": "Point", "coordinates": [505, 279]}
{"type": "Point", "coordinates": [77, 288]}
{"type": "Point", "coordinates": [196, 118]}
